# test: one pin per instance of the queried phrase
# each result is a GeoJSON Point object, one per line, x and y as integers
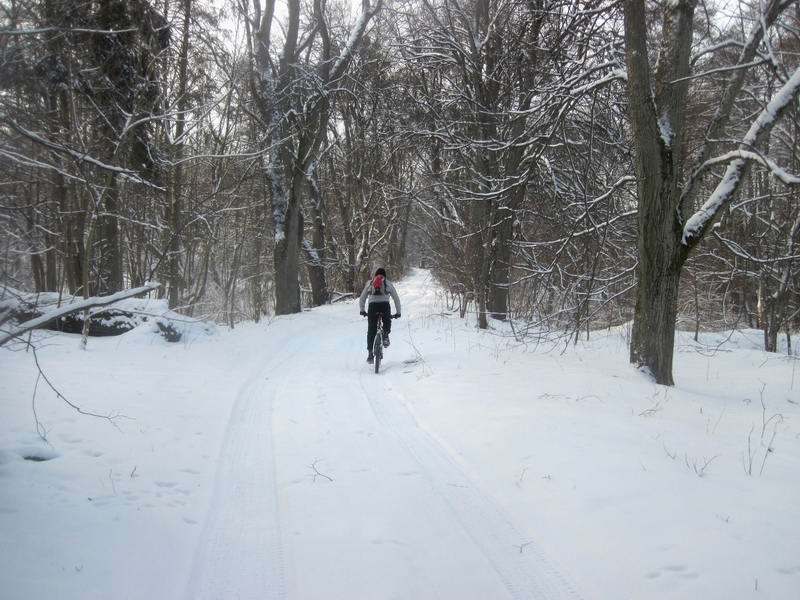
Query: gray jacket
{"type": "Point", "coordinates": [368, 297]}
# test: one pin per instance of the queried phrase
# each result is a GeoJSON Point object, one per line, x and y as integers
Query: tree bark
{"type": "Point", "coordinates": [499, 304]}
{"type": "Point", "coordinates": [501, 265]}
{"type": "Point", "coordinates": [175, 190]}
{"type": "Point", "coordinates": [110, 248]}
{"type": "Point", "coordinates": [657, 131]}
{"type": "Point", "coordinates": [653, 334]}
{"type": "Point", "coordinates": [286, 261]}
{"type": "Point", "coordinates": [315, 250]}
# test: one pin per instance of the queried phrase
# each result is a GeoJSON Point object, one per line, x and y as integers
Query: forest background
{"type": "Point", "coordinates": [565, 166]}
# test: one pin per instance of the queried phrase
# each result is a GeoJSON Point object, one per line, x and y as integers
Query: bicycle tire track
{"type": "Point", "coordinates": [244, 516]}
{"type": "Point", "coordinates": [527, 575]}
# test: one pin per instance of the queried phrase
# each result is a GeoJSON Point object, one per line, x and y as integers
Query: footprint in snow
{"type": "Point", "coordinates": [379, 542]}
{"type": "Point", "coordinates": [71, 440]}
{"type": "Point", "coordinates": [789, 570]}
{"type": "Point", "coordinates": [681, 571]}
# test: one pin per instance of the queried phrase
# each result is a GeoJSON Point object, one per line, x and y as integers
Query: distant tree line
{"type": "Point", "coordinates": [563, 165]}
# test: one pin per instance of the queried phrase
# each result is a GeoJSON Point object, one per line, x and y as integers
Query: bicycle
{"type": "Point", "coordinates": [377, 345]}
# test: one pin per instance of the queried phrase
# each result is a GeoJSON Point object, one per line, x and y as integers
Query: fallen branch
{"type": "Point", "coordinates": [109, 417]}
{"type": "Point", "coordinates": [76, 307]}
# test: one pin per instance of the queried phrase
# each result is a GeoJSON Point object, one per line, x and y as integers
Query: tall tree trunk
{"type": "Point", "coordinates": [481, 256]}
{"type": "Point", "coordinates": [775, 303]}
{"type": "Point", "coordinates": [351, 277]}
{"type": "Point", "coordinates": [653, 335]}
{"type": "Point", "coordinates": [512, 163]}
{"type": "Point", "coordinates": [658, 122]}
{"type": "Point", "coordinates": [316, 274]}
{"type": "Point", "coordinates": [50, 264]}
{"type": "Point", "coordinates": [110, 249]}
{"type": "Point", "coordinates": [114, 58]}
{"type": "Point", "coordinates": [772, 327]}
{"type": "Point", "coordinates": [501, 264]}
{"type": "Point", "coordinates": [315, 250]}
{"type": "Point", "coordinates": [401, 251]}
{"type": "Point", "coordinates": [286, 256]}
{"type": "Point", "coordinates": [59, 123]}
{"type": "Point", "coordinates": [175, 190]}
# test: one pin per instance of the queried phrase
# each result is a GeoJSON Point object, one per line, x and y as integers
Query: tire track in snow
{"type": "Point", "coordinates": [526, 573]}
{"type": "Point", "coordinates": [240, 555]}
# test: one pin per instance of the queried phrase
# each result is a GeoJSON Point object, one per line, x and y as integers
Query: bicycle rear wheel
{"type": "Point", "coordinates": [377, 350]}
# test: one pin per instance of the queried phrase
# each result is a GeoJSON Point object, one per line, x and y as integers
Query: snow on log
{"type": "Point", "coordinates": [74, 307]}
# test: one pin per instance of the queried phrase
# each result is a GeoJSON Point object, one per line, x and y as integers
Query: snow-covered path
{"type": "Point", "coordinates": [329, 488]}
{"type": "Point", "coordinates": [270, 462]}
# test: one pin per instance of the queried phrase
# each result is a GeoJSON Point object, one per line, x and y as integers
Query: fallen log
{"type": "Point", "coordinates": [71, 309]}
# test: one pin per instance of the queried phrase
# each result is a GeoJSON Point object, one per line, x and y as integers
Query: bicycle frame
{"type": "Point", "coordinates": [377, 345]}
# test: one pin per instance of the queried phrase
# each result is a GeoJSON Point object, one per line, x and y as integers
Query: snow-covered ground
{"type": "Point", "coordinates": [270, 462]}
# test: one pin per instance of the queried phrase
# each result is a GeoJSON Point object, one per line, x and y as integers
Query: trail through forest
{"type": "Point", "coordinates": [270, 462]}
{"type": "Point", "coordinates": [328, 487]}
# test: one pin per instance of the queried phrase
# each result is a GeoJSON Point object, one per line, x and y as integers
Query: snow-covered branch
{"type": "Point", "coordinates": [41, 30]}
{"type": "Point", "coordinates": [776, 170]}
{"type": "Point", "coordinates": [356, 33]}
{"type": "Point", "coordinates": [614, 75]}
{"type": "Point", "coordinates": [728, 69]}
{"type": "Point", "coordinates": [716, 47]}
{"type": "Point", "coordinates": [697, 225]}
{"type": "Point", "coordinates": [75, 307]}
{"type": "Point", "coordinates": [79, 156]}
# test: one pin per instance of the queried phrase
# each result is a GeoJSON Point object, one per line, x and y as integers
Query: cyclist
{"type": "Point", "coordinates": [377, 293]}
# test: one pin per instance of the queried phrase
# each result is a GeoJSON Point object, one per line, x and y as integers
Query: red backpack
{"type": "Point", "coordinates": [378, 285]}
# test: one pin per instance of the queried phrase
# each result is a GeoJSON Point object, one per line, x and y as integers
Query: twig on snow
{"type": "Point", "coordinates": [767, 452]}
{"type": "Point", "coordinates": [522, 546]}
{"type": "Point", "coordinates": [317, 472]}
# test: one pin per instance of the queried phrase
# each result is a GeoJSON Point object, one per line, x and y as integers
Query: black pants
{"type": "Point", "coordinates": [374, 311]}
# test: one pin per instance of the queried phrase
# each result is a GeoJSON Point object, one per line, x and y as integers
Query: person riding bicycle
{"type": "Point", "coordinates": [377, 293]}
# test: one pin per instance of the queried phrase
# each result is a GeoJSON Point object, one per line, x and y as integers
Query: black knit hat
{"type": "Point", "coordinates": [381, 271]}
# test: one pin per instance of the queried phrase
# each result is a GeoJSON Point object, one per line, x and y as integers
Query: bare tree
{"type": "Point", "coordinates": [669, 225]}
{"type": "Point", "coordinates": [293, 100]}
